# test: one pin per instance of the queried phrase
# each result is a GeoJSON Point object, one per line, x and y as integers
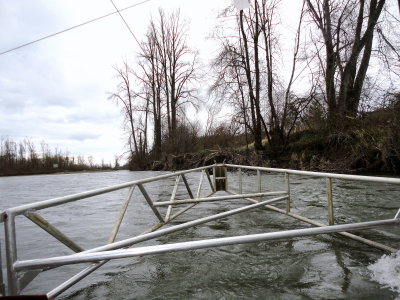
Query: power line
{"type": "Point", "coordinates": [119, 12]}
{"type": "Point", "coordinates": [76, 26]}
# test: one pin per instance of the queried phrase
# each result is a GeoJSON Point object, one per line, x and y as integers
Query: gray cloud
{"type": "Point", "coordinates": [55, 90]}
{"type": "Point", "coordinates": [83, 136]}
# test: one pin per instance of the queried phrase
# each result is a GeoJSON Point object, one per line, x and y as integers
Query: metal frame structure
{"type": "Point", "coordinates": [21, 273]}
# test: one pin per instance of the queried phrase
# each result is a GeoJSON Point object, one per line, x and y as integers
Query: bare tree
{"type": "Point", "coordinates": [238, 74]}
{"type": "Point", "coordinates": [150, 78]}
{"type": "Point", "coordinates": [248, 66]}
{"type": "Point", "coordinates": [167, 73]}
{"type": "Point", "coordinates": [347, 29]}
{"type": "Point", "coordinates": [178, 63]}
{"type": "Point", "coordinates": [254, 82]}
{"type": "Point", "coordinates": [126, 98]}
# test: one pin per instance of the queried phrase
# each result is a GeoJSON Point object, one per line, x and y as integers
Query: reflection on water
{"type": "Point", "coordinates": [321, 267]}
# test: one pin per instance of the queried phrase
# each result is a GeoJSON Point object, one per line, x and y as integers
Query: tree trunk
{"type": "Point", "coordinates": [254, 101]}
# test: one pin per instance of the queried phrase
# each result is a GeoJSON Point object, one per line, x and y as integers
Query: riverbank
{"type": "Point", "coordinates": [356, 152]}
{"type": "Point", "coordinates": [293, 160]}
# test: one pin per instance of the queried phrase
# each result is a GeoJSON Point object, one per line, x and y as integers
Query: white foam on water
{"type": "Point", "coordinates": [386, 271]}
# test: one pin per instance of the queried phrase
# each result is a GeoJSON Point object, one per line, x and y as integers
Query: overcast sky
{"type": "Point", "coordinates": [56, 90]}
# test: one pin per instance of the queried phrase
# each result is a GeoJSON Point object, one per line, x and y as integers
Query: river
{"type": "Point", "coordinates": [320, 267]}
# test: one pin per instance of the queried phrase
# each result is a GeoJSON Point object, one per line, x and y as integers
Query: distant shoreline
{"type": "Point", "coordinates": [50, 172]}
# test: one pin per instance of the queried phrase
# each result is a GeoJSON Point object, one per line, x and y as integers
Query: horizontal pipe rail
{"type": "Point", "coordinates": [162, 232]}
{"type": "Point", "coordinates": [102, 254]}
{"type": "Point", "coordinates": [88, 270]}
{"type": "Point", "coordinates": [218, 198]}
{"type": "Point", "coordinates": [18, 210]}
{"type": "Point", "coordinates": [66, 199]}
{"type": "Point", "coordinates": [315, 223]}
{"type": "Point", "coordinates": [321, 174]}
{"type": "Point", "coordinates": [61, 288]}
{"type": "Point", "coordinates": [208, 243]}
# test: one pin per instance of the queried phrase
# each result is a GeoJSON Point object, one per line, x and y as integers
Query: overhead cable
{"type": "Point", "coordinates": [76, 26]}
{"type": "Point", "coordinates": [119, 12]}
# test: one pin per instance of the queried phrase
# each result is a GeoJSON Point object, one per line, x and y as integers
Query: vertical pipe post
{"type": "Point", "coordinates": [259, 181]}
{"type": "Point", "coordinates": [215, 178]}
{"type": "Point", "coordinates": [330, 200]}
{"type": "Point", "coordinates": [212, 185]}
{"type": "Point", "coordinates": [220, 178]}
{"type": "Point", "coordinates": [288, 192]}
{"type": "Point", "coordinates": [226, 178]}
{"type": "Point", "coordinates": [2, 286]}
{"type": "Point", "coordinates": [240, 181]}
{"type": "Point", "coordinates": [11, 253]}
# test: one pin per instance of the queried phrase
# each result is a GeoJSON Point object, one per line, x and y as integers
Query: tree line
{"type": "Point", "coordinates": [24, 157]}
{"type": "Point", "coordinates": [340, 52]}
{"type": "Point", "coordinates": [158, 89]}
